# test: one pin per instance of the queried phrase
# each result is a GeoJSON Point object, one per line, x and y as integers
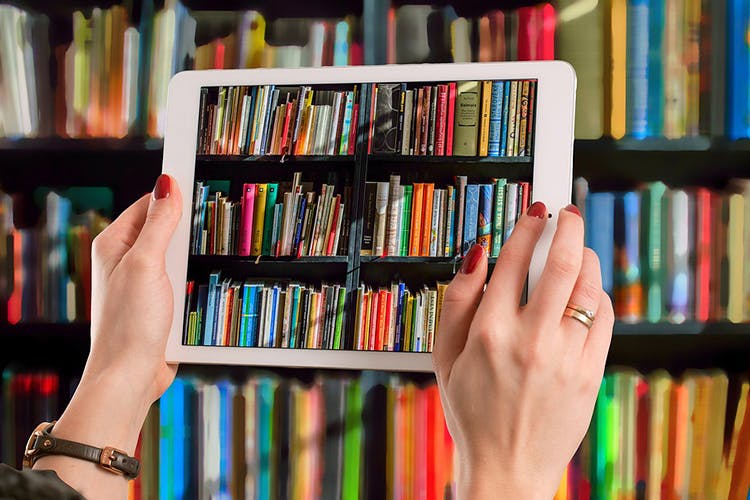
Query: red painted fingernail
{"type": "Point", "coordinates": [538, 210]}
{"type": "Point", "coordinates": [472, 259]}
{"type": "Point", "coordinates": [573, 209]}
{"type": "Point", "coordinates": [163, 187]}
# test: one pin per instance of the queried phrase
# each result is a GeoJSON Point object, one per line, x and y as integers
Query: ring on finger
{"type": "Point", "coordinates": [580, 314]}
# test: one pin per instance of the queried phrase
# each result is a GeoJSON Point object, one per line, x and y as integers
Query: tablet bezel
{"type": "Point", "coordinates": [552, 182]}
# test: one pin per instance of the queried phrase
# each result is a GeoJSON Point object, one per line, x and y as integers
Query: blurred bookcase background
{"type": "Point", "coordinates": [662, 127]}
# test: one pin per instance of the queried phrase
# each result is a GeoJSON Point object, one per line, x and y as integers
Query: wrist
{"type": "Point", "coordinates": [486, 478]}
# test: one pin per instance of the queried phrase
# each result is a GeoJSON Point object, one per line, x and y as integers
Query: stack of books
{"type": "Point", "coordinates": [395, 319]}
{"type": "Point", "coordinates": [298, 222]}
{"type": "Point", "coordinates": [276, 120]}
{"type": "Point", "coordinates": [672, 254]}
{"type": "Point", "coordinates": [424, 221]}
{"type": "Point", "coordinates": [48, 267]}
{"type": "Point", "coordinates": [226, 312]}
{"type": "Point", "coordinates": [468, 118]}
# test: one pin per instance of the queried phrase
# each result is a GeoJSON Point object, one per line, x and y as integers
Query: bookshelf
{"type": "Point", "coordinates": [130, 165]}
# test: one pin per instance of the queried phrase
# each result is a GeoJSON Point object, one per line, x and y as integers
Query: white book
{"type": "Point", "coordinates": [391, 232]}
{"type": "Point", "coordinates": [406, 133]}
{"type": "Point", "coordinates": [261, 130]}
{"type": "Point", "coordinates": [391, 340]}
{"type": "Point", "coordinates": [269, 322]}
{"type": "Point", "coordinates": [461, 40]}
{"type": "Point", "coordinates": [211, 444]}
{"type": "Point", "coordinates": [436, 204]}
{"type": "Point", "coordinates": [431, 318]}
{"type": "Point", "coordinates": [678, 258]}
{"type": "Point", "coordinates": [339, 223]}
{"type": "Point", "coordinates": [359, 312]}
{"type": "Point", "coordinates": [399, 201]}
{"type": "Point", "coordinates": [441, 222]}
{"type": "Point", "coordinates": [333, 127]}
{"type": "Point", "coordinates": [314, 48]}
{"type": "Point", "coordinates": [511, 209]}
{"type": "Point", "coordinates": [381, 204]}
{"type": "Point", "coordinates": [131, 48]}
{"type": "Point", "coordinates": [243, 123]}
{"type": "Point", "coordinates": [321, 129]}
{"type": "Point", "coordinates": [283, 56]}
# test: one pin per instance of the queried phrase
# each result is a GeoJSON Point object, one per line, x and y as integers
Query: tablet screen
{"type": "Point", "coordinates": [333, 216]}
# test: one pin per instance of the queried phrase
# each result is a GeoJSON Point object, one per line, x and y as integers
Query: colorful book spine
{"type": "Point", "coordinates": [496, 115]}
{"type": "Point", "coordinates": [484, 217]}
{"type": "Point", "coordinates": [498, 217]}
{"type": "Point", "coordinates": [471, 217]}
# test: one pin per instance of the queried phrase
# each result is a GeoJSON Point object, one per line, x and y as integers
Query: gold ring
{"type": "Point", "coordinates": [585, 312]}
{"type": "Point", "coordinates": [577, 315]}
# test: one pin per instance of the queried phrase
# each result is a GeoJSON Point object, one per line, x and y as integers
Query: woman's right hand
{"type": "Point", "coordinates": [519, 383]}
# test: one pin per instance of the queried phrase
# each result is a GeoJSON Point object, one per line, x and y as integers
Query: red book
{"type": "Point", "coordinates": [526, 34]}
{"type": "Point", "coordinates": [390, 54]}
{"type": "Point", "coordinates": [361, 344]}
{"type": "Point", "coordinates": [525, 197]}
{"type": "Point", "coordinates": [421, 423]}
{"type": "Point", "coordinates": [449, 122]}
{"type": "Point", "coordinates": [15, 299]}
{"type": "Point", "coordinates": [643, 412]}
{"type": "Point", "coordinates": [546, 43]}
{"type": "Point", "coordinates": [219, 54]}
{"type": "Point", "coordinates": [418, 122]}
{"type": "Point", "coordinates": [372, 332]}
{"type": "Point", "coordinates": [334, 223]}
{"type": "Point", "coordinates": [442, 110]}
{"type": "Point", "coordinates": [246, 218]}
{"type": "Point", "coordinates": [373, 99]}
{"type": "Point", "coordinates": [703, 218]}
{"type": "Point", "coordinates": [227, 326]}
{"type": "Point", "coordinates": [356, 54]}
{"type": "Point", "coordinates": [432, 486]}
{"type": "Point", "coordinates": [353, 129]}
{"type": "Point", "coordinates": [285, 129]}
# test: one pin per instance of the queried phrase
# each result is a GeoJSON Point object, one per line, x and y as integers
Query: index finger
{"type": "Point", "coordinates": [552, 292]}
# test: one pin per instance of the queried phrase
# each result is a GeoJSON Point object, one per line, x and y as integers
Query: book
{"type": "Point", "coordinates": [600, 208]}
{"type": "Point", "coordinates": [381, 205]}
{"type": "Point", "coordinates": [471, 217]}
{"type": "Point", "coordinates": [495, 124]}
{"type": "Point", "coordinates": [484, 218]}
{"type": "Point", "coordinates": [484, 118]}
{"type": "Point", "coordinates": [498, 217]}
{"type": "Point", "coordinates": [467, 119]}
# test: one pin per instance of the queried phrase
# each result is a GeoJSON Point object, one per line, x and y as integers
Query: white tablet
{"type": "Point", "coordinates": [325, 209]}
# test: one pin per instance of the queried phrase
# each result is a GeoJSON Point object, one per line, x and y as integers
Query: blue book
{"type": "Point", "coordinates": [244, 314]}
{"type": "Point", "coordinates": [600, 234]}
{"type": "Point", "coordinates": [179, 472]}
{"type": "Point", "coordinates": [738, 110]}
{"type": "Point", "coordinates": [298, 223]}
{"type": "Point", "coordinates": [504, 119]}
{"type": "Point", "coordinates": [341, 44]}
{"type": "Point", "coordinates": [166, 468]}
{"type": "Point", "coordinates": [252, 320]}
{"type": "Point", "coordinates": [484, 221]}
{"type": "Point", "coordinates": [226, 393]}
{"type": "Point", "coordinates": [201, 312]}
{"type": "Point", "coordinates": [450, 238]}
{"type": "Point", "coordinates": [294, 314]}
{"type": "Point", "coordinates": [655, 125]}
{"type": "Point", "coordinates": [637, 68]}
{"type": "Point", "coordinates": [274, 311]}
{"type": "Point", "coordinates": [399, 313]}
{"type": "Point", "coordinates": [627, 227]}
{"type": "Point", "coordinates": [272, 190]}
{"type": "Point", "coordinates": [208, 333]}
{"type": "Point", "coordinates": [496, 118]}
{"type": "Point", "coordinates": [471, 216]}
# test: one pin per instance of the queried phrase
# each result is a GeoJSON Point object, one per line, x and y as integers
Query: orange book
{"type": "Point", "coordinates": [678, 423]}
{"type": "Point", "coordinates": [415, 232]}
{"type": "Point", "coordinates": [429, 190]}
{"type": "Point", "coordinates": [740, 483]}
{"type": "Point", "coordinates": [15, 299]}
{"type": "Point", "coordinates": [365, 322]}
{"type": "Point", "coordinates": [409, 455]}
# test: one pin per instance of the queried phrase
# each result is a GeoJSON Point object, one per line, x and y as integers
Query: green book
{"type": "Point", "coordinates": [653, 249]}
{"type": "Point", "coordinates": [352, 442]}
{"type": "Point", "coordinates": [339, 318]}
{"type": "Point", "coordinates": [271, 194]}
{"type": "Point", "coordinates": [405, 221]}
{"type": "Point", "coordinates": [466, 125]}
{"type": "Point", "coordinates": [498, 217]}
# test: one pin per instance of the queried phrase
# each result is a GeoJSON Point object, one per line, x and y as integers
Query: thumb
{"type": "Point", "coordinates": [164, 210]}
{"type": "Point", "coordinates": [459, 305]}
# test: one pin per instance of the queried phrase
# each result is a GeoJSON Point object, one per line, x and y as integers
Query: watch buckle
{"type": "Point", "coordinates": [106, 458]}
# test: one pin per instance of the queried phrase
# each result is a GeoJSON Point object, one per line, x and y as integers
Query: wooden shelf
{"type": "Point", "coordinates": [275, 159]}
{"type": "Point", "coordinates": [265, 260]}
{"type": "Point", "coordinates": [396, 158]}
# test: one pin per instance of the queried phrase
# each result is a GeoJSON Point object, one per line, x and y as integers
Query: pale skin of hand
{"type": "Point", "coordinates": [519, 384]}
{"type": "Point", "coordinates": [131, 314]}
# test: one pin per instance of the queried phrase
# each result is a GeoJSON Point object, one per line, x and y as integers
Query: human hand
{"type": "Point", "coordinates": [131, 303]}
{"type": "Point", "coordinates": [519, 384]}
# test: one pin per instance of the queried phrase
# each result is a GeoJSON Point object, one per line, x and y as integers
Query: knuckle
{"type": "Point", "coordinates": [529, 355]}
{"type": "Point", "coordinates": [99, 244]}
{"type": "Point", "coordinates": [487, 338]}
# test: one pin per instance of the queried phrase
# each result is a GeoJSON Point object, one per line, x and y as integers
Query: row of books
{"type": "Point", "coordinates": [377, 435]}
{"type": "Point", "coordinates": [672, 254]}
{"type": "Point", "coordinates": [226, 312]}
{"type": "Point", "coordinates": [46, 270]}
{"type": "Point", "coordinates": [298, 222]}
{"type": "Point", "coordinates": [654, 436]}
{"type": "Point", "coordinates": [397, 319]}
{"type": "Point", "coordinates": [270, 119]}
{"type": "Point", "coordinates": [658, 68]}
{"type": "Point", "coordinates": [422, 220]}
{"type": "Point", "coordinates": [466, 118]}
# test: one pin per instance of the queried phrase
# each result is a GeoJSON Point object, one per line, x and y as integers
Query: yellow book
{"type": "Point", "coordinates": [408, 322]}
{"type": "Point", "coordinates": [442, 286]}
{"type": "Point", "coordinates": [259, 214]}
{"type": "Point", "coordinates": [660, 389]}
{"type": "Point", "coordinates": [390, 430]}
{"type": "Point", "coordinates": [736, 258]}
{"type": "Point", "coordinates": [313, 321]}
{"type": "Point", "coordinates": [617, 38]}
{"type": "Point", "coordinates": [484, 117]}
{"type": "Point", "coordinates": [699, 416]}
{"type": "Point", "coordinates": [254, 40]}
{"type": "Point", "coordinates": [731, 474]}
{"type": "Point", "coordinates": [562, 490]}
{"type": "Point", "coordinates": [717, 405]}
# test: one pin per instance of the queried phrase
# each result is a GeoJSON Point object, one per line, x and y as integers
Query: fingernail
{"type": "Point", "coordinates": [472, 259]}
{"type": "Point", "coordinates": [573, 209]}
{"type": "Point", "coordinates": [538, 210]}
{"type": "Point", "coordinates": [162, 187]}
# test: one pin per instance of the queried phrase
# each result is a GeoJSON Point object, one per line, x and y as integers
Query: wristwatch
{"type": "Point", "coordinates": [42, 443]}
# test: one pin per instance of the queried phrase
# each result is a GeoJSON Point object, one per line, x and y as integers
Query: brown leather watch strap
{"type": "Point", "coordinates": [42, 443]}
